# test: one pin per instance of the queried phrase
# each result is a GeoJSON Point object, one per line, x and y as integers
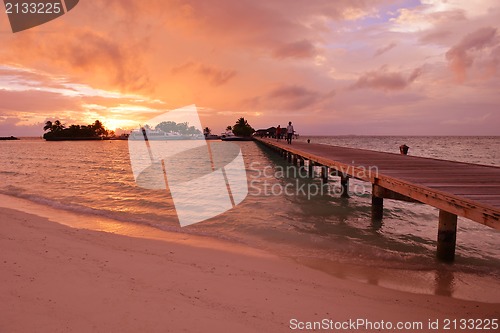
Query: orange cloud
{"type": "Point", "coordinates": [301, 49]}
{"type": "Point", "coordinates": [215, 76]}
{"type": "Point", "coordinates": [386, 80]}
{"type": "Point", "coordinates": [84, 53]}
{"type": "Point", "coordinates": [462, 55]}
{"type": "Point", "coordinates": [34, 101]}
{"type": "Point", "coordinates": [290, 98]}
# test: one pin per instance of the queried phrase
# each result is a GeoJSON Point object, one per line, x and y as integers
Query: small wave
{"type": "Point", "coordinates": [10, 173]}
{"type": "Point", "coordinates": [149, 220]}
{"type": "Point", "coordinates": [12, 191]}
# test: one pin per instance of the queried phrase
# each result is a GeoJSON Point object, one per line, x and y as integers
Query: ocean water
{"type": "Point", "coordinates": [94, 178]}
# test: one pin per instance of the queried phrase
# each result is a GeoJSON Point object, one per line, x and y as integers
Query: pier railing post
{"type": "Point", "coordinates": [447, 236]}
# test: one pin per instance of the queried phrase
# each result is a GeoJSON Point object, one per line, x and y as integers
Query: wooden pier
{"type": "Point", "coordinates": [456, 189]}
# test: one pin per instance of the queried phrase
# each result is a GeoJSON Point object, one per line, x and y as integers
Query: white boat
{"type": "Point", "coordinates": [229, 136]}
{"type": "Point", "coordinates": [212, 137]}
{"type": "Point", "coordinates": [154, 135]}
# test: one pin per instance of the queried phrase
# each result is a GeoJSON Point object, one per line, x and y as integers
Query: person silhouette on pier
{"type": "Point", "coordinates": [278, 133]}
{"type": "Point", "coordinates": [289, 133]}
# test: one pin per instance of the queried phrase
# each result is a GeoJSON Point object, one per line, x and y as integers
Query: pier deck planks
{"type": "Point", "coordinates": [468, 190]}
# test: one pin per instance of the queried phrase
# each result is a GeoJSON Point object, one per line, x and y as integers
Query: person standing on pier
{"type": "Point", "coordinates": [289, 133]}
{"type": "Point", "coordinates": [278, 133]}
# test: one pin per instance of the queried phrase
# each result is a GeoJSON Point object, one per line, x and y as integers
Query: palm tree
{"type": "Point", "coordinates": [207, 131]}
{"type": "Point", "coordinates": [48, 125]}
{"type": "Point", "coordinates": [167, 126]}
{"type": "Point", "coordinates": [229, 128]}
{"type": "Point", "coordinates": [57, 126]}
{"type": "Point", "coordinates": [241, 122]}
{"type": "Point", "coordinates": [242, 128]}
{"type": "Point", "coordinates": [182, 128]}
{"type": "Point", "coordinates": [99, 129]}
{"type": "Point", "coordinates": [52, 127]}
{"type": "Point", "coordinates": [192, 130]}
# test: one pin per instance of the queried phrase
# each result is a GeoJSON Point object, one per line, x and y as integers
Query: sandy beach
{"type": "Point", "coordinates": [55, 278]}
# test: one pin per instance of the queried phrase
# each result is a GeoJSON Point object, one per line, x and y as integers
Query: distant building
{"type": "Point", "coordinates": [269, 132]}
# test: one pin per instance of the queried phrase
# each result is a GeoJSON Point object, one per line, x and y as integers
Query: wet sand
{"type": "Point", "coordinates": [55, 278]}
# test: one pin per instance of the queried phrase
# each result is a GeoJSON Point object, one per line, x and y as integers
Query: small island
{"type": "Point", "coordinates": [166, 130]}
{"type": "Point", "coordinates": [59, 132]}
{"type": "Point", "coordinates": [5, 138]}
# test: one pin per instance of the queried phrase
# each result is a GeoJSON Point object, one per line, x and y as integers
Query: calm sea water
{"type": "Point", "coordinates": [95, 178]}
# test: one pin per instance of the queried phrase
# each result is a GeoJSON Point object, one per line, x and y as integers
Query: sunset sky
{"type": "Point", "coordinates": [332, 67]}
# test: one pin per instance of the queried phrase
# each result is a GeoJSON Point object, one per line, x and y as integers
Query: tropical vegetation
{"type": "Point", "coordinates": [181, 128]}
{"type": "Point", "coordinates": [57, 130]}
{"type": "Point", "coordinates": [242, 128]}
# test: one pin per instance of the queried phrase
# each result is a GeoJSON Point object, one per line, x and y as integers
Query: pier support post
{"type": "Point", "coordinates": [311, 169]}
{"type": "Point", "coordinates": [285, 154]}
{"type": "Point", "coordinates": [344, 183]}
{"type": "Point", "coordinates": [302, 168]}
{"type": "Point", "coordinates": [324, 173]}
{"type": "Point", "coordinates": [377, 203]}
{"type": "Point", "coordinates": [290, 157]}
{"type": "Point", "coordinates": [377, 208]}
{"type": "Point", "coordinates": [294, 159]}
{"type": "Point", "coordinates": [447, 236]}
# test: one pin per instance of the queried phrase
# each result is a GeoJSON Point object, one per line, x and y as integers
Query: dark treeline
{"type": "Point", "coordinates": [58, 130]}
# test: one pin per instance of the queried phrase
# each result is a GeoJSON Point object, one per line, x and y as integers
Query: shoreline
{"type": "Point", "coordinates": [56, 277]}
{"type": "Point", "coordinates": [441, 281]}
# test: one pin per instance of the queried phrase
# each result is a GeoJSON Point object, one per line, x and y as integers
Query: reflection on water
{"type": "Point", "coordinates": [442, 281]}
{"type": "Point", "coordinates": [445, 282]}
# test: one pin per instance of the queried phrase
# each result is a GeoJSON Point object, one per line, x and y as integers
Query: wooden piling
{"type": "Point", "coordinates": [302, 167]}
{"type": "Point", "coordinates": [311, 169]}
{"type": "Point", "coordinates": [324, 173]}
{"type": "Point", "coordinates": [447, 236]}
{"type": "Point", "coordinates": [377, 203]}
{"type": "Point", "coordinates": [377, 208]}
{"type": "Point", "coordinates": [344, 183]}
